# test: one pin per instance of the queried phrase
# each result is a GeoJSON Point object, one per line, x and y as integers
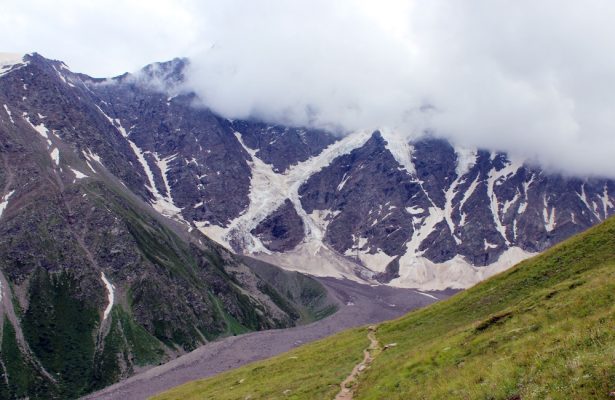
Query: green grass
{"type": "Point", "coordinates": [313, 371]}
{"type": "Point", "coordinates": [543, 330]}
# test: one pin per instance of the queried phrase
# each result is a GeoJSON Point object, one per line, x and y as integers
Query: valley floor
{"type": "Point", "coordinates": [359, 305]}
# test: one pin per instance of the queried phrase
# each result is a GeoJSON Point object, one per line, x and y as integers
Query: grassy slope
{"type": "Point", "coordinates": [309, 372]}
{"type": "Point", "coordinates": [542, 330]}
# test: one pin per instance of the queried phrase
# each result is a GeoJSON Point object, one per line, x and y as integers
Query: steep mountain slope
{"type": "Point", "coordinates": [94, 283]}
{"type": "Point", "coordinates": [90, 271]}
{"type": "Point", "coordinates": [368, 205]}
{"type": "Point", "coordinates": [544, 329]}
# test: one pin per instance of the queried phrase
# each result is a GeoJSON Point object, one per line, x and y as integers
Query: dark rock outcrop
{"type": "Point", "coordinates": [282, 230]}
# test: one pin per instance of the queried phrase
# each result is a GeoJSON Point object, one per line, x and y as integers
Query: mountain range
{"type": "Point", "coordinates": [544, 329]}
{"type": "Point", "coordinates": [95, 283]}
{"type": "Point", "coordinates": [124, 200]}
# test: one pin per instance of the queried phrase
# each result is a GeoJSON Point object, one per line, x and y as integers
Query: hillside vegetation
{"type": "Point", "coordinates": [545, 329]}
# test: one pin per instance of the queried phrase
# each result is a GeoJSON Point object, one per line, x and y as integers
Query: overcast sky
{"type": "Point", "coordinates": [536, 78]}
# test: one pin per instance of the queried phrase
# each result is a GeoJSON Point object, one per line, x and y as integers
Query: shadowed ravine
{"type": "Point", "coordinates": [359, 305]}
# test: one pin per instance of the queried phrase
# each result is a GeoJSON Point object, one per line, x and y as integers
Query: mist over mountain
{"type": "Point", "coordinates": [209, 168]}
{"type": "Point", "coordinates": [481, 74]}
{"type": "Point", "coordinates": [491, 74]}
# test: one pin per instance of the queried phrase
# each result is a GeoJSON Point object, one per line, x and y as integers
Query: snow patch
{"type": "Point", "coordinates": [606, 201]}
{"type": "Point", "coordinates": [78, 174]}
{"type": "Point", "coordinates": [493, 178]}
{"type": "Point", "coordinates": [488, 245]}
{"type": "Point", "coordinates": [468, 193]}
{"type": "Point", "coordinates": [62, 77]}
{"type": "Point", "coordinates": [40, 128]}
{"type": "Point", "coordinates": [429, 222]}
{"type": "Point", "coordinates": [5, 201]}
{"type": "Point", "coordinates": [163, 204]}
{"type": "Point", "coordinates": [55, 155]}
{"type": "Point", "coordinates": [583, 197]}
{"type": "Point", "coordinates": [414, 210]}
{"type": "Point", "coordinates": [269, 189]}
{"type": "Point", "coordinates": [163, 166]}
{"type": "Point", "coordinates": [400, 148]}
{"type": "Point", "coordinates": [343, 182]}
{"type": "Point", "coordinates": [448, 205]}
{"type": "Point", "coordinates": [110, 295]}
{"type": "Point", "coordinates": [508, 203]}
{"type": "Point", "coordinates": [8, 112]}
{"type": "Point", "coordinates": [548, 216]}
{"type": "Point", "coordinates": [426, 294]}
{"type": "Point", "coordinates": [93, 156]}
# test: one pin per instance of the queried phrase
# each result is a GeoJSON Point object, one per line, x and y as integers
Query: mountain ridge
{"type": "Point", "coordinates": [96, 284]}
{"type": "Point", "coordinates": [451, 215]}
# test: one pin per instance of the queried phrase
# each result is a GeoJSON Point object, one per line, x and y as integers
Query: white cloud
{"type": "Point", "coordinates": [532, 77]}
{"type": "Point", "coordinates": [101, 38]}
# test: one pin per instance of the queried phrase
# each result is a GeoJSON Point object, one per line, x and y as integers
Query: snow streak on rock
{"type": "Point", "coordinates": [110, 295]}
{"type": "Point", "coordinates": [5, 201]}
{"type": "Point", "coordinates": [162, 203]}
{"type": "Point", "coordinates": [8, 112]}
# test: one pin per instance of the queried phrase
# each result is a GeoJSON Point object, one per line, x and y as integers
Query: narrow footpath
{"type": "Point", "coordinates": [349, 384]}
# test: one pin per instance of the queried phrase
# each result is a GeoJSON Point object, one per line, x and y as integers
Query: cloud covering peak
{"type": "Point", "coordinates": [532, 78]}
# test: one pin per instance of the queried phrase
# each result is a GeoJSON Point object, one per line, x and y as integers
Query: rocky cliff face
{"type": "Point", "coordinates": [368, 205]}
{"type": "Point", "coordinates": [107, 187]}
{"type": "Point", "coordinates": [94, 283]}
{"type": "Point", "coordinates": [438, 205]}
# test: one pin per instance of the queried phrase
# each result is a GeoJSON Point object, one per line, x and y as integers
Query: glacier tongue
{"type": "Point", "coordinates": [269, 189]}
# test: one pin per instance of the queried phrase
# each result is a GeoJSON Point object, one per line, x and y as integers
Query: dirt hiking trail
{"type": "Point", "coordinates": [348, 385]}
